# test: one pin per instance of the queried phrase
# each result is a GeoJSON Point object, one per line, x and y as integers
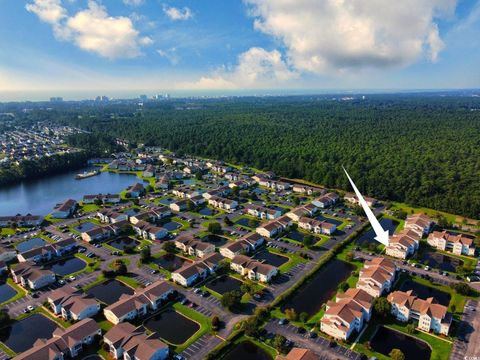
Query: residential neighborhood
{"type": "Point", "coordinates": [192, 250]}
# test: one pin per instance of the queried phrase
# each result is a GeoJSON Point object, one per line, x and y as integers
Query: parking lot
{"type": "Point", "coordinates": [318, 344]}
{"type": "Point", "coordinates": [467, 344]}
{"type": "Point", "coordinates": [200, 348]}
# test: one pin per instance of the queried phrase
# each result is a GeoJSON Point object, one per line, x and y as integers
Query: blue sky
{"type": "Point", "coordinates": [233, 45]}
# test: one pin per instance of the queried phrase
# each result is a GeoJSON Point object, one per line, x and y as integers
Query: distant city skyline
{"type": "Point", "coordinates": [68, 48]}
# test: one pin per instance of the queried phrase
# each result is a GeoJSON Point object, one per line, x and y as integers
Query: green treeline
{"type": "Point", "coordinates": [423, 150]}
{"type": "Point", "coordinates": [30, 169]}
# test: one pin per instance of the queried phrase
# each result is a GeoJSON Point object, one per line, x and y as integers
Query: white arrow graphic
{"type": "Point", "coordinates": [381, 235]}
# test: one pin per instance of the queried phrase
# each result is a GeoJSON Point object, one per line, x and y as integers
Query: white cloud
{"type": "Point", "coordinates": [177, 14]}
{"type": "Point", "coordinates": [49, 11]}
{"type": "Point", "coordinates": [92, 29]}
{"type": "Point", "coordinates": [170, 54]}
{"type": "Point", "coordinates": [256, 68]}
{"type": "Point", "coordinates": [133, 2]}
{"type": "Point", "coordinates": [338, 35]}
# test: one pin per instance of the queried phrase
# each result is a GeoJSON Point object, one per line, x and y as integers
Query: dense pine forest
{"type": "Point", "coordinates": [420, 149]}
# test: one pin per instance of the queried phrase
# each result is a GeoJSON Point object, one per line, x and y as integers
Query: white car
{"type": "Point", "coordinates": [72, 278]}
{"type": "Point", "coordinates": [30, 308]}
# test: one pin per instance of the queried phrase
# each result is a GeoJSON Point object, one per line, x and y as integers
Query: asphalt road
{"type": "Point", "coordinates": [467, 345]}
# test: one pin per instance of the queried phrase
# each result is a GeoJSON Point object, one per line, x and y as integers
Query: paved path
{"type": "Point", "coordinates": [318, 345]}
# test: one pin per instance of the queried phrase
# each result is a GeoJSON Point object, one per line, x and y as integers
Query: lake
{"type": "Point", "coordinates": [109, 291]}
{"type": "Point", "coordinates": [21, 335]}
{"type": "Point", "coordinates": [38, 197]}
{"type": "Point", "coordinates": [172, 326]}
{"type": "Point", "coordinates": [386, 339]}
{"type": "Point", "coordinates": [368, 237]}
{"type": "Point", "coordinates": [30, 244]}
{"type": "Point", "coordinates": [6, 292]}
{"type": "Point", "coordinates": [68, 266]}
{"type": "Point", "coordinates": [247, 350]}
{"type": "Point", "coordinates": [320, 288]}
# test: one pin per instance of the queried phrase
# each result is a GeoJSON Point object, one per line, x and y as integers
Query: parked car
{"type": "Point", "coordinates": [30, 308]}
{"type": "Point", "coordinates": [282, 321]}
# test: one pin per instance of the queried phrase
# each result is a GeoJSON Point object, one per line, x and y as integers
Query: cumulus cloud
{"type": "Point", "coordinates": [256, 68]}
{"type": "Point", "coordinates": [49, 11]}
{"type": "Point", "coordinates": [92, 29]}
{"type": "Point", "coordinates": [321, 36]}
{"type": "Point", "coordinates": [176, 14]}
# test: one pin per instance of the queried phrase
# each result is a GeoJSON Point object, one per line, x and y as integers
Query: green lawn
{"type": "Point", "coordinates": [86, 208]}
{"type": "Point", "coordinates": [129, 281]}
{"type": "Point", "coordinates": [409, 209]}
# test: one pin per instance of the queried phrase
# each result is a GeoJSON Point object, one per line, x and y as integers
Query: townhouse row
{"type": "Point", "coordinates": [406, 242]}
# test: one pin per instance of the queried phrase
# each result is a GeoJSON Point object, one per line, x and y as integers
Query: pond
{"type": "Point", "coordinates": [386, 339]}
{"type": "Point", "coordinates": [424, 292]}
{"type": "Point", "coordinates": [251, 223]}
{"type": "Point", "coordinates": [215, 239]}
{"type": "Point", "coordinates": [30, 244]}
{"type": "Point", "coordinates": [295, 235]}
{"type": "Point", "coordinates": [6, 292]}
{"type": "Point", "coordinates": [123, 243]}
{"type": "Point", "coordinates": [247, 350]}
{"type": "Point", "coordinates": [132, 212]}
{"type": "Point", "coordinates": [85, 226]}
{"type": "Point", "coordinates": [109, 291]}
{"type": "Point", "coordinates": [206, 211]}
{"type": "Point", "coordinates": [166, 201]}
{"type": "Point", "coordinates": [172, 225]}
{"type": "Point", "coordinates": [172, 326]}
{"type": "Point", "coordinates": [39, 196]}
{"type": "Point", "coordinates": [224, 284]}
{"type": "Point", "coordinates": [271, 258]}
{"type": "Point", "coordinates": [170, 262]}
{"type": "Point", "coordinates": [440, 261]}
{"type": "Point", "coordinates": [21, 335]}
{"type": "Point", "coordinates": [320, 288]}
{"type": "Point", "coordinates": [368, 237]}
{"type": "Point", "coordinates": [329, 220]}
{"type": "Point", "coordinates": [67, 266]}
